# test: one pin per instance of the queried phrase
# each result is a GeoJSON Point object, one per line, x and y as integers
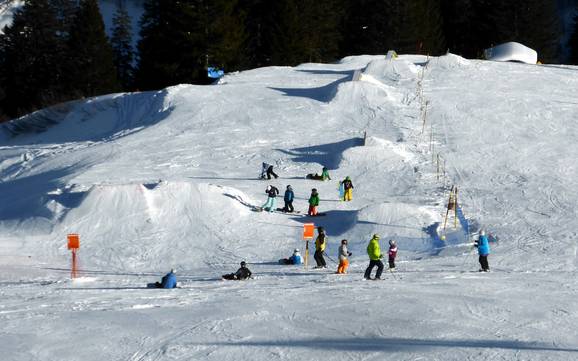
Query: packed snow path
{"type": "Point", "coordinates": [167, 179]}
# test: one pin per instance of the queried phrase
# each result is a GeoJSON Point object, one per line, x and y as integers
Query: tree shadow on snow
{"type": "Point", "coordinates": [322, 94]}
{"type": "Point", "coordinates": [374, 344]}
{"type": "Point", "coordinates": [335, 222]}
{"type": "Point", "coordinates": [328, 155]}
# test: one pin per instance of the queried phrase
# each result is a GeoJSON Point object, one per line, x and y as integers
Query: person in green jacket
{"type": "Point", "coordinates": [313, 202]}
{"type": "Point", "coordinates": [325, 174]}
{"type": "Point", "coordinates": [375, 256]}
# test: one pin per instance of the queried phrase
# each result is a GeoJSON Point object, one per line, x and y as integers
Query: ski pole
{"type": "Point", "coordinates": [331, 259]}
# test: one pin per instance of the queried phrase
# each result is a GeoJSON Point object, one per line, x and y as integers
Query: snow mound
{"type": "Point", "coordinates": [512, 51]}
{"type": "Point", "coordinates": [450, 61]}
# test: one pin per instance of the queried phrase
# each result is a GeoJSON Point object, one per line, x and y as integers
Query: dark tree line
{"type": "Point", "coordinates": [57, 50]}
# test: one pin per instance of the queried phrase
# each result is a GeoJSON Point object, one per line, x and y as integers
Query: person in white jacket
{"type": "Point", "coordinates": [343, 254]}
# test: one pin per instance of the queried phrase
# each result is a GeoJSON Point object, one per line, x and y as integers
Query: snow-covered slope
{"type": "Point", "coordinates": [167, 179]}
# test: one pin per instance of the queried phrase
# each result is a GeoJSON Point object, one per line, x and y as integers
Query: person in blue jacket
{"type": "Point", "coordinates": [483, 246]}
{"type": "Point", "coordinates": [288, 198]}
{"type": "Point", "coordinates": [168, 281]}
{"type": "Point", "coordinates": [294, 259]}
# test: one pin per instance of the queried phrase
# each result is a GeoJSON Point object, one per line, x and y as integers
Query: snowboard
{"type": "Point", "coordinates": [341, 189]}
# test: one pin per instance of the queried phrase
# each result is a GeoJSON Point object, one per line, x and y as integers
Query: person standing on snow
{"type": "Point", "coordinates": [313, 202]}
{"type": "Point", "coordinates": [375, 256]}
{"type": "Point", "coordinates": [391, 254]}
{"type": "Point", "coordinates": [347, 189]}
{"type": "Point", "coordinates": [288, 198]}
{"type": "Point", "coordinates": [267, 170]}
{"type": "Point", "coordinates": [483, 246]}
{"type": "Point", "coordinates": [320, 245]}
{"type": "Point", "coordinates": [242, 273]}
{"type": "Point", "coordinates": [343, 254]}
{"type": "Point", "coordinates": [272, 193]}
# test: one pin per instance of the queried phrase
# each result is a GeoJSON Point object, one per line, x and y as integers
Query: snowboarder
{"type": "Point", "coordinates": [375, 256]}
{"type": "Point", "coordinates": [483, 246]}
{"type": "Point", "coordinates": [242, 273]}
{"type": "Point", "coordinates": [313, 202]}
{"type": "Point", "coordinates": [320, 244]}
{"type": "Point", "coordinates": [347, 188]}
{"type": "Point", "coordinates": [343, 254]}
{"type": "Point", "coordinates": [288, 198]}
{"type": "Point", "coordinates": [294, 259]}
{"type": "Point", "coordinates": [267, 171]}
{"type": "Point", "coordinates": [392, 253]}
{"type": "Point", "coordinates": [271, 203]}
{"type": "Point", "coordinates": [168, 281]}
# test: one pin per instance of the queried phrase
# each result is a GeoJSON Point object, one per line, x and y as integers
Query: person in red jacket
{"type": "Point", "coordinates": [392, 253]}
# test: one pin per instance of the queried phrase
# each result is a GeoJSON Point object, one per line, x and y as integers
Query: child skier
{"type": "Point", "coordinates": [271, 204]}
{"type": "Point", "coordinates": [267, 171]}
{"type": "Point", "coordinates": [294, 259]}
{"type": "Point", "coordinates": [483, 246]}
{"type": "Point", "coordinates": [392, 253]}
{"type": "Point", "coordinates": [343, 254]}
{"type": "Point", "coordinates": [313, 202]}
{"type": "Point", "coordinates": [288, 198]}
{"type": "Point", "coordinates": [348, 188]}
{"type": "Point", "coordinates": [320, 244]}
{"type": "Point", "coordinates": [242, 273]}
{"type": "Point", "coordinates": [375, 256]}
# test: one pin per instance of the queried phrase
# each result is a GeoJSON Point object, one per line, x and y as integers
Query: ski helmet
{"type": "Point", "coordinates": [343, 241]}
{"type": "Point", "coordinates": [376, 236]}
{"type": "Point", "coordinates": [173, 270]}
{"type": "Point", "coordinates": [482, 232]}
{"type": "Point", "coordinates": [296, 250]}
{"type": "Point", "coordinates": [243, 263]}
{"type": "Point", "coordinates": [392, 242]}
{"type": "Point", "coordinates": [314, 190]}
{"type": "Point", "coordinates": [321, 229]}
{"type": "Point", "coordinates": [347, 178]}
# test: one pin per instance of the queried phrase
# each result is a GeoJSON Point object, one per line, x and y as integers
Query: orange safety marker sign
{"type": "Point", "coordinates": [73, 245]}
{"type": "Point", "coordinates": [308, 233]}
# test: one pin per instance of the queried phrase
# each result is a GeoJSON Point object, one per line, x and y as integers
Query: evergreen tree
{"type": "Point", "coordinates": [172, 49]}
{"type": "Point", "coordinates": [121, 42]}
{"type": "Point", "coordinates": [458, 28]}
{"type": "Point", "coordinates": [31, 59]}
{"type": "Point", "coordinates": [92, 70]}
{"type": "Point", "coordinates": [573, 42]}
{"type": "Point", "coordinates": [226, 35]}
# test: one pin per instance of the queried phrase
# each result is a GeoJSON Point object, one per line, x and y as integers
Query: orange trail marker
{"type": "Point", "coordinates": [73, 245]}
{"type": "Point", "coordinates": [308, 233]}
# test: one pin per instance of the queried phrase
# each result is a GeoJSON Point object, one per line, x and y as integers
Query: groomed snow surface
{"type": "Point", "coordinates": [166, 179]}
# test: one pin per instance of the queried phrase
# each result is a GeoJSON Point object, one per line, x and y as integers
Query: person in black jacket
{"type": "Point", "coordinates": [267, 171]}
{"type": "Point", "coordinates": [242, 273]}
{"type": "Point", "coordinates": [272, 193]}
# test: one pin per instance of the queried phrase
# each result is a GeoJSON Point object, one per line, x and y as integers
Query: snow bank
{"type": "Point", "coordinates": [512, 51]}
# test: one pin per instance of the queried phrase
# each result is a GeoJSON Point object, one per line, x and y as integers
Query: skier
{"type": "Point", "coordinates": [483, 246]}
{"type": "Point", "coordinates": [168, 281]}
{"type": "Point", "coordinates": [271, 203]}
{"type": "Point", "coordinates": [343, 254]}
{"type": "Point", "coordinates": [348, 188]}
{"type": "Point", "coordinates": [288, 198]}
{"type": "Point", "coordinates": [267, 170]}
{"type": "Point", "coordinates": [392, 253]}
{"type": "Point", "coordinates": [294, 259]}
{"type": "Point", "coordinates": [320, 244]}
{"type": "Point", "coordinates": [242, 273]}
{"type": "Point", "coordinates": [313, 202]}
{"type": "Point", "coordinates": [375, 257]}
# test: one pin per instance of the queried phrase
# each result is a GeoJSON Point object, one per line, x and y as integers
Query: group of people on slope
{"type": "Point", "coordinates": [373, 251]}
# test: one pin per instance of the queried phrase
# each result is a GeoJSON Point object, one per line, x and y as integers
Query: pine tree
{"type": "Point", "coordinates": [573, 43]}
{"type": "Point", "coordinates": [121, 42]}
{"type": "Point", "coordinates": [226, 35]}
{"type": "Point", "coordinates": [31, 59]}
{"type": "Point", "coordinates": [92, 70]}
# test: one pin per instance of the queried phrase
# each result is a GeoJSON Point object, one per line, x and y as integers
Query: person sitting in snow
{"type": "Point", "coordinates": [242, 273]}
{"type": "Point", "coordinates": [294, 259]}
{"type": "Point", "coordinates": [483, 246]}
{"type": "Point", "coordinates": [288, 198]}
{"type": "Point", "coordinates": [392, 253]}
{"type": "Point", "coordinates": [313, 202]}
{"type": "Point", "coordinates": [168, 281]}
{"type": "Point", "coordinates": [271, 203]}
{"type": "Point", "coordinates": [324, 175]}
{"type": "Point", "coordinates": [267, 171]}
{"type": "Point", "coordinates": [343, 254]}
{"type": "Point", "coordinates": [347, 189]}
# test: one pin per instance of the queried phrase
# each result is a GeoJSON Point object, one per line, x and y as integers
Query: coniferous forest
{"type": "Point", "coordinates": [57, 50]}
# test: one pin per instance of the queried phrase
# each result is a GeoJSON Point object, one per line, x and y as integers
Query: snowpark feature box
{"type": "Point", "coordinates": [512, 51]}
